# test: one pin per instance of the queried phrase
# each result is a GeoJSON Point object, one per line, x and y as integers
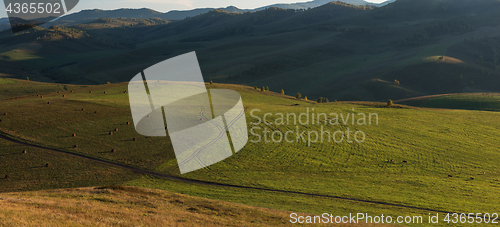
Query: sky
{"type": "Point", "coordinates": [167, 5]}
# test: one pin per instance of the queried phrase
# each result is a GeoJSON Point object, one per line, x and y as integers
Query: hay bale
{"type": "Point", "coordinates": [95, 112]}
{"type": "Point", "coordinates": [71, 91]}
{"type": "Point", "coordinates": [113, 150]}
{"type": "Point", "coordinates": [47, 165]}
{"type": "Point", "coordinates": [7, 176]}
{"type": "Point", "coordinates": [58, 92]}
{"type": "Point", "coordinates": [48, 102]}
{"type": "Point", "coordinates": [125, 91]}
{"type": "Point", "coordinates": [104, 92]}
{"type": "Point", "coordinates": [116, 130]}
{"type": "Point", "coordinates": [74, 135]}
{"type": "Point", "coordinates": [110, 133]}
{"type": "Point", "coordinates": [128, 123]}
{"type": "Point", "coordinates": [83, 109]}
{"type": "Point", "coordinates": [90, 91]}
{"type": "Point", "coordinates": [25, 151]}
{"type": "Point", "coordinates": [76, 146]}
{"type": "Point", "coordinates": [64, 96]}
{"type": "Point", "coordinates": [41, 96]}
{"type": "Point", "coordinates": [5, 114]}
{"type": "Point", "coordinates": [135, 139]}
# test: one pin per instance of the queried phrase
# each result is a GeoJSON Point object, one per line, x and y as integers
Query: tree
{"type": "Point", "coordinates": [389, 103]}
{"type": "Point", "coordinates": [267, 88]}
{"type": "Point", "coordinates": [27, 78]}
{"type": "Point", "coordinates": [320, 100]}
{"type": "Point", "coordinates": [282, 92]}
{"type": "Point", "coordinates": [211, 82]}
{"type": "Point", "coordinates": [262, 89]}
{"type": "Point", "coordinates": [396, 82]}
{"type": "Point", "coordinates": [305, 98]}
{"type": "Point", "coordinates": [326, 100]}
{"type": "Point", "coordinates": [298, 96]}
{"type": "Point", "coordinates": [255, 87]}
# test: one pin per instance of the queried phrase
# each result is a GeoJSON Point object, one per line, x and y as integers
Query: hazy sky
{"type": "Point", "coordinates": [167, 5]}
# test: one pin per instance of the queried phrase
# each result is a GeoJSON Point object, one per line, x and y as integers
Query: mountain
{"type": "Point", "coordinates": [337, 50]}
{"type": "Point", "coordinates": [181, 14]}
{"type": "Point", "coordinates": [316, 3]}
{"type": "Point", "coordinates": [85, 16]}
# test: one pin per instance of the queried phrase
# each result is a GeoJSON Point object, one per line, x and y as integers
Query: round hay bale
{"type": "Point", "coordinates": [95, 112]}
{"type": "Point", "coordinates": [104, 92]}
{"type": "Point", "coordinates": [7, 176]}
{"type": "Point", "coordinates": [37, 95]}
{"type": "Point", "coordinates": [47, 165]}
{"type": "Point", "coordinates": [74, 135]}
{"type": "Point", "coordinates": [135, 139]}
{"type": "Point", "coordinates": [127, 122]}
{"type": "Point", "coordinates": [5, 114]}
{"type": "Point", "coordinates": [41, 96]}
{"type": "Point", "coordinates": [90, 91]}
{"type": "Point", "coordinates": [76, 146]}
{"type": "Point", "coordinates": [25, 151]}
{"type": "Point", "coordinates": [48, 102]}
{"type": "Point", "coordinates": [83, 109]}
{"type": "Point", "coordinates": [113, 150]}
{"type": "Point", "coordinates": [64, 96]}
{"type": "Point", "coordinates": [116, 130]}
{"type": "Point", "coordinates": [58, 92]}
{"type": "Point", "coordinates": [110, 133]}
{"type": "Point", "coordinates": [125, 91]}
{"type": "Point", "coordinates": [71, 91]}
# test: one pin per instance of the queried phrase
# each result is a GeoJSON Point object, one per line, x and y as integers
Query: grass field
{"type": "Point", "coordinates": [468, 101]}
{"type": "Point", "coordinates": [128, 206]}
{"type": "Point", "coordinates": [429, 158]}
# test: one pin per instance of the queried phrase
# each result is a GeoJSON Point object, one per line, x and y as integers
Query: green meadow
{"type": "Point", "coordinates": [439, 159]}
{"type": "Point", "coordinates": [472, 101]}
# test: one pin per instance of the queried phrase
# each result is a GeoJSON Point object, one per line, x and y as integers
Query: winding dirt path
{"type": "Point", "coordinates": [199, 182]}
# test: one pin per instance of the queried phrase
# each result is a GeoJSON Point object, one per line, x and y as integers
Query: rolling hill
{"type": "Point", "coordinates": [340, 51]}
{"type": "Point", "coordinates": [412, 162]}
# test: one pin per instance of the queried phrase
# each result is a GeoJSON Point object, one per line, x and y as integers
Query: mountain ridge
{"type": "Point", "coordinates": [88, 15]}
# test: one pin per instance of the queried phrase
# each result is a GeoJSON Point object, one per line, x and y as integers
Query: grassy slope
{"type": "Point", "coordinates": [466, 101]}
{"type": "Point", "coordinates": [128, 206]}
{"type": "Point", "coordinates": [435, 144]}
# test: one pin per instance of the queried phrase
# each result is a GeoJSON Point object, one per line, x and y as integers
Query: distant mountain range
{"type": "Point", "coordinates": [85, 16]}
{"type": "Point", "coordinates": [316, 3]}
